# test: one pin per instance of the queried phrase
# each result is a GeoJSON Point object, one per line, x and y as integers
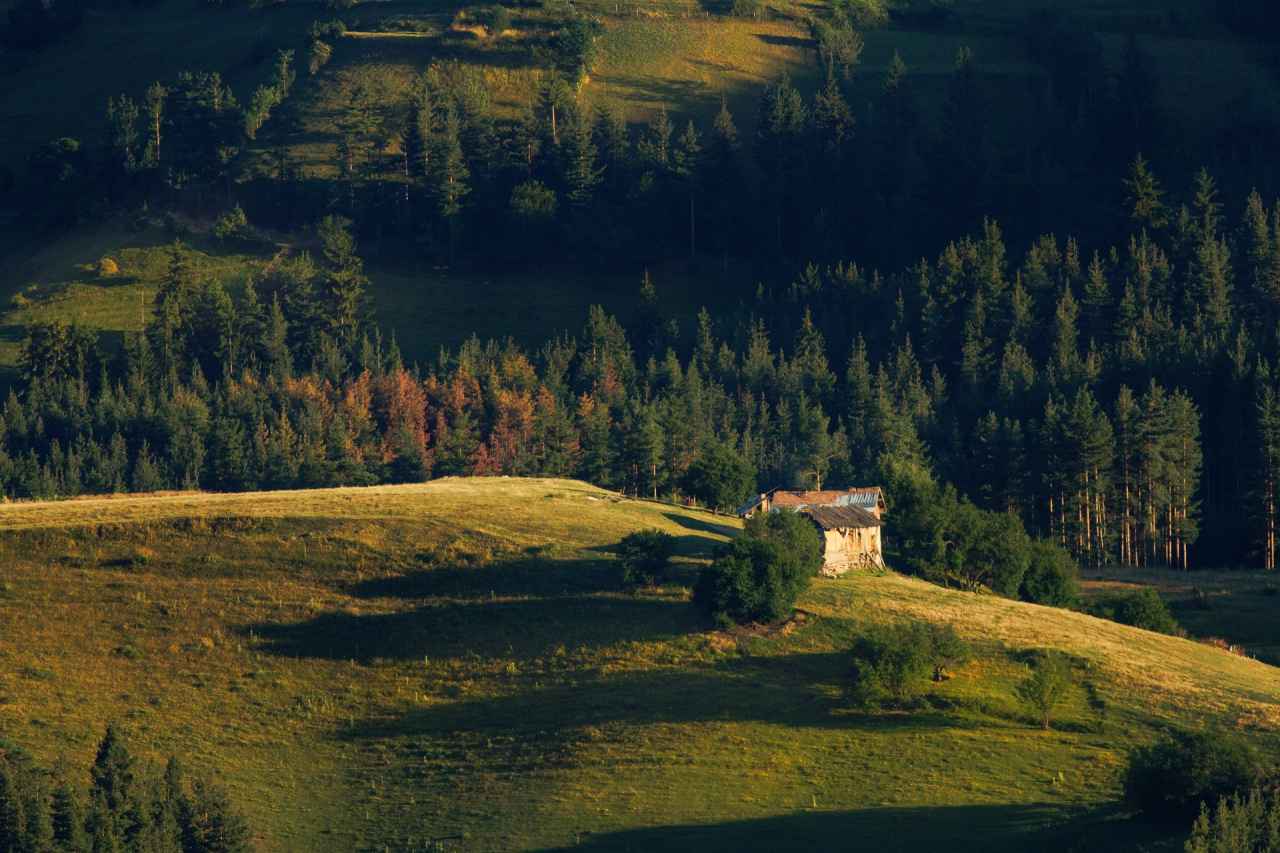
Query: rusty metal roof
{"type": "Point", "coordinates": [836, 517]}
{"type": "Point", "coordinates": [868, 497]}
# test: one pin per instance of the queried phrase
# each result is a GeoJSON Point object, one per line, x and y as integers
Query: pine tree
{"type": "Point", "coordinates": [214, 824]}
{"type": "Point", "coordinates": [581, 171]}
{"type": "Point", "coordinates": [1209, 286]}
{"type": "Point", "coordinates": [153, 109]}
{"type": "Point", "coordinates": [1185, 462]}
{"type": "Point", "coordinates": [1092, 450]}
{"type": "Point", "coordinates": [1137, 123]}
{"type": "Point", "coordinates": [13, 822]}
{"type": "Point", "coordinates": [451, 176]}
{"type": "Point", "coordinates": [1146, 210]}
{"type": "Point", "coordinates": [897, 127]}
{"type": "Point", "coordinates": [1258, 259]}
{"type": "Point", "coordinates": [1267, 488]}
{"type": "Point", "coordinates": [345, 279]}
{"type": "Point", "coordinates": [1097, 306]}
{"type": "Point", "coordinates": [961, 160]}
{"type": "Point", "coordinates": [834, 124]}
{"type": "Point", "coordinates": [724, 178]}
{"type": "Point", "coordinates": [780, 136]}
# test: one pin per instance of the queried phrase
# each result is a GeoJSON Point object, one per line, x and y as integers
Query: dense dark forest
{"type": "Point", "coordinates": [1111, 391]}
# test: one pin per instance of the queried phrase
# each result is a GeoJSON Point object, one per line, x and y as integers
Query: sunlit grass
{"type": "Point", "coordinates": [371, 667]}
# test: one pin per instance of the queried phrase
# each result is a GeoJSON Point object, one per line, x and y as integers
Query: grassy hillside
{"type": "Point", "coordinates": [368, 668]}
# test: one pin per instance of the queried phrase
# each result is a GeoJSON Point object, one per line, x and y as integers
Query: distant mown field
{"type": "Point", "coordinates": [370, 668]}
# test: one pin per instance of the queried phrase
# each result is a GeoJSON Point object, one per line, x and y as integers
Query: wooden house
{"type": "Point", "coordinates": [849, 521]}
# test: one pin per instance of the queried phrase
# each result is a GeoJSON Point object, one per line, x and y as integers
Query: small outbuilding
{"type": "Point", "coordinates": [849, 521]}
{"type": "Point", "coordinates": [850, 538]}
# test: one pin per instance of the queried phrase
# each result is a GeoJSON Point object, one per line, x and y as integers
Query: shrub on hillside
{"type": "Point", "coordinates": [231, 223]}
{"type": "Point", "coordinates": [896, 661]}
{"type": "Point", "coordinates": [643, 556]}
{"type": "Point", "coordinates": [1175, 775]}
{"type": "Point", "coordinates": [494, 19]}
{"type": "Point", "coordinates": [891, 660]}
{"type": "Point", "coordinates": [1052, 577]}
{"type": "Point", "coordinates": [946, 649]}
{"type": "Point", "coordinates": [1141, 608]}
{"type": "Point", "coordinates": [1046, 689]}
{"type": "Point", "coordinates": [987, 549]}
{"type": "Point", "coordinates": [759, 575]}
{"type": "Point", "coordinates": [722, 478]}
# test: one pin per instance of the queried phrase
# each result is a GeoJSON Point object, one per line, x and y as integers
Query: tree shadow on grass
{"type": "Point", "coordinates": [703, 526]}
{"type": "Point", "coordinates": [523, 576]}
{"type": "Point", "coordinates": [795, 690]}
{"type": "Point", "coordinates": [956, 829]}
{"type": "Point", "coordinates": [522, 629]}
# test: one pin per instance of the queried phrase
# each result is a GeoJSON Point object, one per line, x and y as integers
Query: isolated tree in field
{"type": "Point", "coordinates": [1046, 689]}
{"type": "Point", "coordinates": [893, 660]}
{"type": "Point", "coordinates": [722, 478]}
{"type": "Point", "coordinates": [644, 556]}
{"type": "Point", "coordinates": [761, 573]}
{"type": "Point", "coordinates": [946, 649]}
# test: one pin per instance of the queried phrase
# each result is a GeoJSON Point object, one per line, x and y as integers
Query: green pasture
{"type": "Point", "coordinates": [370, 668]}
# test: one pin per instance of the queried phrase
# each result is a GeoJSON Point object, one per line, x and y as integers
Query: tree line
{"type": "Point", "coordinates": [128, 806]}
{"type": "Point", "coordinates": [1070, 395]}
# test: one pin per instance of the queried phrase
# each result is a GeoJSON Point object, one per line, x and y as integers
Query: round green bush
{"type": "Point", "coordinates": [643, 556]}
{"type": "Point", "coordinates": [1141, 608]}
{"type": "Point", "coordinates": [1052, 577]}
{"type": "Point", "coordinates": [759, 576]}
{"type": "Point", "coordinates": [1174, 776]}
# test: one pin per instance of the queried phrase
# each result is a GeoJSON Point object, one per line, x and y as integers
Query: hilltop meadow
{"type": "Point", "coordinates": [371, 668]}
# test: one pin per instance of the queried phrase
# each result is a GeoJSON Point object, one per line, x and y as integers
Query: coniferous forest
{"type": "Point", "coordinates": [1072, 325]}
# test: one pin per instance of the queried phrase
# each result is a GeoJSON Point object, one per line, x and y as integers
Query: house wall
{"type": "Point", "coordinates": [849, 548]}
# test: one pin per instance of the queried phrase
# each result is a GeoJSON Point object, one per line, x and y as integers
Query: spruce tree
{"type": "Point", "coordinates": [1137, 123]}
{"type": "Point", "coordinates": [1146, 211]}
{"type": "Point", "coordinates": [13, 822]}
{"type": "Point", "coordinates": [451, 176]}
{"type": "Point", "coordinates": [346, 282]}
{"type": "Point", "coordinates": [961, 158]}
{"type": "Point", "coordinates": [581, 171]}
{"type": "Point", "coordinates": [896, 127]}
